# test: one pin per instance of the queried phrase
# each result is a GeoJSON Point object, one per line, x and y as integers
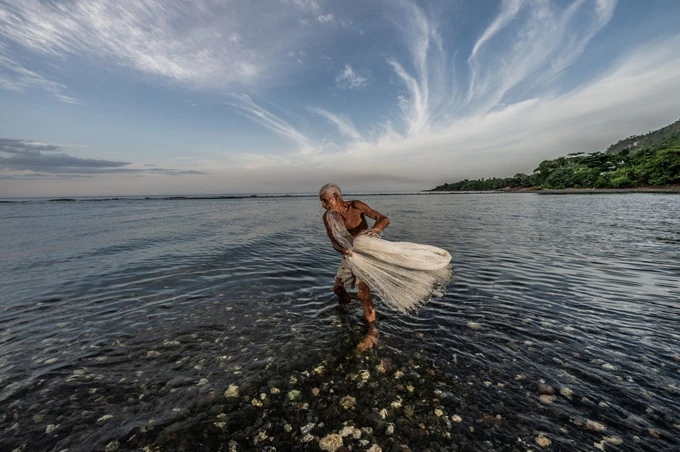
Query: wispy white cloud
{"type": "Point", "coordinates": [343, 124]}
{"type": "Point", "coordinates": [573, 46]}
{"type": "Point", "coordinates": [15, 77]}
{"type": "Point", "coordinates": [429, 85]}
{"type": "Point", "coordinates": [325, 18]}
{"type": "Point", "coordinates": [414, 107]}
{"type": "Point", "coordinates": [235, 38]}
{"type": "Point", "coordinates": [348, 78]}
{"type": "Point", "coordinates": [546, 41]}
{"type": "Point", "coordinates": [307, 6]}
{"type": "Point", "coordinates": [204, 46]}
{"type": "Point", "coordinates": [524, 48]}
{"type": "Point", "coordinates": [244, 104]}
{"type": "Point", "coordinates": [297, 55]}
{"type": "Point", "coordinates": [509, 9]}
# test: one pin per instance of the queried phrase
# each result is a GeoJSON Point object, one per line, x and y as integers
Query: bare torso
{"type": "Point", "coordinates": [355, 221]}
{"type": "Point", "coordinates": [354, 214]}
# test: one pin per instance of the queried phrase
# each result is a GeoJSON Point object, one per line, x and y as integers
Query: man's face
{"type": "Point", "coordinates": [327, 201]}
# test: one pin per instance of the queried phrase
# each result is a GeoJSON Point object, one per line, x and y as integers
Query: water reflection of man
{"type": "Point", "coordinates": [354, 215]}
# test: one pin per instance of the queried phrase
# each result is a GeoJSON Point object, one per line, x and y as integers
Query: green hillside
{"type": "Point", "coordinates": [643, 160]}
{"type": "Point", "coordinates": [661, 138]}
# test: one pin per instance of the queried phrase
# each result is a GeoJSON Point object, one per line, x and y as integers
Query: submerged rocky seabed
{"type": "Point", "coordinates": [393, 401]}
{"type": "Point", "coordinates": [357, 401]}
{"type": "Point", "coordinates": [405, 394]}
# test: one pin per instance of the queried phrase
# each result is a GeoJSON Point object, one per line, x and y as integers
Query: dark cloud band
{"type": "Point", "coordinates": [47, 159]}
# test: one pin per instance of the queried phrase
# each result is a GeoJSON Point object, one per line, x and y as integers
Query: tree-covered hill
{"type": "Point", "coordinates": [664, 137]}
{"type": "Point", "coordinates": [645, 160]}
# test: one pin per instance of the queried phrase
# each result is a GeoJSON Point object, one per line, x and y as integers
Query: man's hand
{"type": "Point", "coordinates": [373, 232]}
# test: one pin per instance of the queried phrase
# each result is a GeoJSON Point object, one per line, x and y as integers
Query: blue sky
{"type": "Point", "coordinates": [101, 97]}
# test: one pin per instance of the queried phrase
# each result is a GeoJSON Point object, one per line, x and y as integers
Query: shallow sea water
{"type": "Point", "coordinates": [211, 325]}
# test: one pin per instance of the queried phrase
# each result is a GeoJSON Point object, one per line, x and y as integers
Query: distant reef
{"type": "Point", "coordinates": [645, 162]}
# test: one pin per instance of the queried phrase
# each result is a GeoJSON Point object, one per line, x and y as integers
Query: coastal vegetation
{"type": "Point", "coordinates": [646, 160]}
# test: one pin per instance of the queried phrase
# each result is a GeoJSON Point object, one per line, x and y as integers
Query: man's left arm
{"type": "Point", "coordinates": [381, 221]}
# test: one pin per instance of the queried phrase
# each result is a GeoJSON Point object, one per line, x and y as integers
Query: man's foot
{"type": "Point", "coordinates": [370, 340]}
{"type": "Point", "coordinates": [364, 295]}
{"type": "Point", "coordinates": [343, 296]}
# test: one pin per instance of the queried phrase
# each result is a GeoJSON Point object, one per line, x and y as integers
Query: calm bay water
{"type": "Point", "coordinates": [123, 323]}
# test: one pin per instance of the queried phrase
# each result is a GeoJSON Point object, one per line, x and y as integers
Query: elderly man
{"type": "Point", "coordinates": [354, 214]}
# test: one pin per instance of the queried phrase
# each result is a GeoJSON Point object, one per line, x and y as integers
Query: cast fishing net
{"type": "Point", "coordinates": [403, 274]}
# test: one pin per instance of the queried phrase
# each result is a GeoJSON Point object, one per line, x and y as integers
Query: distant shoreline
{"type": "Point", "coordinates": [598, 191]}
{"type": "Point", "coordinates": [667, 189]}
{"type": "Point", "coordinates": [574, 191]}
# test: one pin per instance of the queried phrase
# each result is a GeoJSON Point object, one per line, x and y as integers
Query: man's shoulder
{"type": "Point", "coordinates": [359, 205]}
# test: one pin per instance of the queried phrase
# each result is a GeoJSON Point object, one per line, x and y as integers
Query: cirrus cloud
{"type": "Point", "coordinates": [348, 78]}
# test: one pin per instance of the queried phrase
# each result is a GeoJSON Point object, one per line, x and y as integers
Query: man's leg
{"type": "Point", "coordinates": [364, 296]}
{"type": "Point", "coordinates": [371, 337]}
{"type": "Point", "coordinates": [340, 291]}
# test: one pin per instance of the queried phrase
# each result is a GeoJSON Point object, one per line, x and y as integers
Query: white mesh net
{"type": "Point", "coordinates": [403, 274]}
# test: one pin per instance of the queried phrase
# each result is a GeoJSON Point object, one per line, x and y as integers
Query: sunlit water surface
{"type": "Point", "coordinates": [123, 323]}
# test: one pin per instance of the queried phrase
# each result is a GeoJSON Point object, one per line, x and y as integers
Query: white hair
{"type": "Point", "coordinates": [330, 190]}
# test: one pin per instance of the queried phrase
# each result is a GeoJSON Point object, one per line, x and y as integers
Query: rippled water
{"type": "Point", "coordinates": [123, 323]}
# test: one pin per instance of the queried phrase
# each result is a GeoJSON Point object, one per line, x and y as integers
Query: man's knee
{"type": "Point", "coordinates": [338, 286]}
{"type": "Point", "coordinates": [363, 293]}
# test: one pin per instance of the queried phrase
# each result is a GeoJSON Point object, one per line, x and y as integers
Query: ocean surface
{"type": "Point", "coordinates": [148, 324]}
